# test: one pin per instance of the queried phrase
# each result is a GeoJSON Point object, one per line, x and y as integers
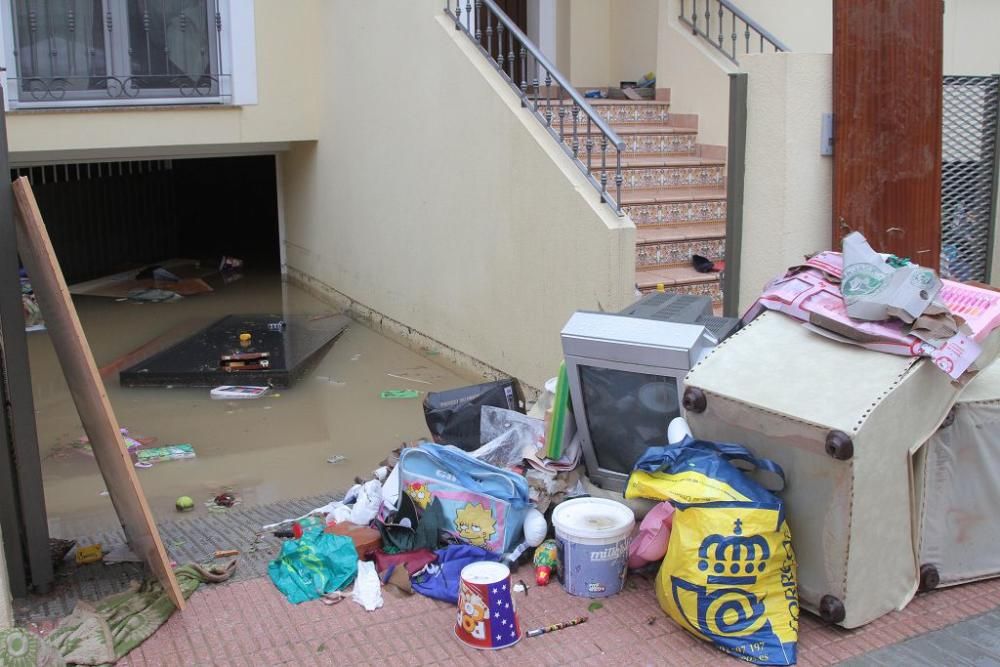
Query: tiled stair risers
{"type": "Point", "coordinates": [675, 197]}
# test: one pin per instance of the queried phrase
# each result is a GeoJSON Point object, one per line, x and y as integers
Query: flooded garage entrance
{"type": "Point", "coordinates": [307, 440]}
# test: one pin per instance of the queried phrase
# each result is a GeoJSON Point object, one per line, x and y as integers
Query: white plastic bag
{"type": "Point", "coordinates": [367, 587]}
{"type": "Point", "coordinates": [368, 503]}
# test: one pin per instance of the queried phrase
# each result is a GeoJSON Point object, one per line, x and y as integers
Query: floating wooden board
{"type": "Point", "coordinates": [148, 349]}
{"type": "Point", "coordinates": [77, 361]}
{"type": "Point", "coordinates": [118, 285]}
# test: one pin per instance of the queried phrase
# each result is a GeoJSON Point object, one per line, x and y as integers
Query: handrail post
{"type": "Point", "coordinates": [735, 173]}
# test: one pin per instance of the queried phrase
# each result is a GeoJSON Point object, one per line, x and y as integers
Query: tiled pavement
{"type": "Point", "coordinates": [975, 641]}
{"type": "Point", "coordinates": [250, 623]}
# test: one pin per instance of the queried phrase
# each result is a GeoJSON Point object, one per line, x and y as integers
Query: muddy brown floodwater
{"type": "Point", "coordinates": [264, 450]}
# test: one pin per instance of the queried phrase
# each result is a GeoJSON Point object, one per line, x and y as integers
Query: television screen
{"type": "Point", "coordinates": [627, 412]}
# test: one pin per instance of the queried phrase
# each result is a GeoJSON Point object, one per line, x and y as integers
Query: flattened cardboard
{"type": "Point", "coordinates": [77, 361]}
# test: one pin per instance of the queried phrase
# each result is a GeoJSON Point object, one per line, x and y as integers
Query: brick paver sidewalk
{"type": "Point", "coordinates": [250, 623]}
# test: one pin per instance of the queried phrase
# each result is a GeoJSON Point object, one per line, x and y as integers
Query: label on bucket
{"type": "Point", "coordinates": [592, 570]}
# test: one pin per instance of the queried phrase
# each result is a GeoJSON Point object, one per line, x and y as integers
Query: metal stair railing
{"type": "Point", "coordinates": [732, 20]}
{"type": "Point", "coordinates": [545, 92]}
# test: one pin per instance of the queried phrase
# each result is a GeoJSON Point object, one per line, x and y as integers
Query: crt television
{"type": "Point", "coordinates": [625, 372]}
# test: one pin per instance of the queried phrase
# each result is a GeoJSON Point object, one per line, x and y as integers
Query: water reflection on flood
{"type": "Point", "coordinates": [265, 450]}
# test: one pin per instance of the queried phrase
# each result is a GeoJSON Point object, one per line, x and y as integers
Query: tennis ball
{"type": "Point", "coordinates": [185, 504]}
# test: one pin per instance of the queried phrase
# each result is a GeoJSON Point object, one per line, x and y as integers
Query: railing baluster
{"type": "Point", "coordinates": [468, 15]}
{"type": "Point", "coordinates": [746, 33]}
{"type": "Point", "coordinates": [720, 25]}
{"type": "Point", "coordinates": [534, 84]}
{"type": "Point", "coordinates": [694, 16]}
{"type": "Point", "coordinates": [604, 164]}
{"type": "Point", "coordinates": [590, 146]}
{"type": "Point", "coordinates": [562, 116]}
{"type": "Point", "coordinates": [510, 56]}
{"type": "Point", "coordinates": [500, 57]}
{"type": "Point", "coordinates": [489, 33]}
{"type": "Point", "coordinates": [524, 72]}
{"type": "Point", "coordinates": [548, 98]}
{"type": "Point", "coordinates": [477, 19]}
{"type": "Point", "coordinates": [576, 136]}
{"type": "Point", "coordinates": [708, 20]}
{"type": "Point", "coordinates": [619, 179]}
{"type": "Point", "coordinates": [458, 14]}
{"type": "Point", "coordinates": [734, 37]}
{"type": "Point", "coordinates": [762, 43]}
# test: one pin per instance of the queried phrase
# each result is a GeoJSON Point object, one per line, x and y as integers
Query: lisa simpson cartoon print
{"type": "Point", "coordinates": [475, 524]}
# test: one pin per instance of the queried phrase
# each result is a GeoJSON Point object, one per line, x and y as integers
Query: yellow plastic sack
{"type": "Point", "coordinates": [729, 576]}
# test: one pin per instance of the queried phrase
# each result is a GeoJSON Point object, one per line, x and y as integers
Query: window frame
{"type": "Point", "coordinates": [236, 45]}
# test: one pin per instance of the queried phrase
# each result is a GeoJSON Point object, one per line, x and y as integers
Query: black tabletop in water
{"type": "Point", "coordinates": [277, 351]}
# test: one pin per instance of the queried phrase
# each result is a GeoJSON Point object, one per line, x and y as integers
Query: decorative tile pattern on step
{"type": "Point", "coordinates": [667, 144]}
{"type": "Point", "coordinates": [648, 255]}
{"type": "Point", "coordinates": [712, 289]}
{"type": "Point", "coordinates": [620, 113]}
{"type": "Point", "coordinates": [639, 144]}
{"type": "Point", "coordinates": [643, 178]}
{"type": "Point", "coordinates": [666, 212]}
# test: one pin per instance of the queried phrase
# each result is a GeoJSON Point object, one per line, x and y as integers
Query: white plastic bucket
{"type": "Point", "coordinates": [592, 535]}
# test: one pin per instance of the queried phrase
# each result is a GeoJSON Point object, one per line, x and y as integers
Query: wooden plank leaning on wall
{"type": "Point", "coordinates": [85, 385]}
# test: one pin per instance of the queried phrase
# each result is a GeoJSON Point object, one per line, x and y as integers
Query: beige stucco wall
{"type": "Point", "coordinates": [696, 74]}
{"type": "Point", "coordinates": [608, 41]}
{"type": "Point", "coordinates": [634, 27]}
{"type": "Point", "coordinates": [438, 201]}
{"type": "Point", "coordinates": [806, 26]}
{"type": "Point", "coordinates": [590, 43]}
{"type": "Point", "coordinates": [290, 80]}
{"type": "Point", "coordinates": [563, 37]}
{"type": "Point", "coordinates": [970, 37]}
{"type": "Point", "coordinates": [970, 44]}
{"type": "Point", "coordinates": [788, 185]}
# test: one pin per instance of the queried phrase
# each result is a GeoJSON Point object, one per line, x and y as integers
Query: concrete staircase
{"type": "Point", "coordinates": [674, 191]}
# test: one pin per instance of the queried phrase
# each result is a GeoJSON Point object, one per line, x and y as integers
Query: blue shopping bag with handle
{"type": "Point", "coordinates": [483, 505]}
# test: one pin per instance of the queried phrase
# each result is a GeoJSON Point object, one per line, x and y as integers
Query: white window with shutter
{"type": "Point", "coordinates": [127, 52]}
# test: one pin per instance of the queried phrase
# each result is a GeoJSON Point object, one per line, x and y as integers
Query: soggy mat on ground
{"type": "Point", "coordinates": [187, 540]}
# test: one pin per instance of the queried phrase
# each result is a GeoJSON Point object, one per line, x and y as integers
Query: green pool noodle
{"type": "Point", "coordinates": [554, 438]}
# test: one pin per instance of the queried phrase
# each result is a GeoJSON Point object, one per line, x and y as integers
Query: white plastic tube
{"type": "Point", "coordinates": [677, 430]}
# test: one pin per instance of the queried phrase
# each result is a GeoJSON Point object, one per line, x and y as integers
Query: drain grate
{"type": "Point", "coordinates": [186, 540]}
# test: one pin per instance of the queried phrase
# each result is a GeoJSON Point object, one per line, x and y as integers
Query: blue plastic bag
{"type": "Point", "coordinates": [440, 580]}
{"type": "Point", "coordinates": [316, 564]}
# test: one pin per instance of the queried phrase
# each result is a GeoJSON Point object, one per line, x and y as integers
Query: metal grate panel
{"type": "Point", "coordinates": [968, 178]}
